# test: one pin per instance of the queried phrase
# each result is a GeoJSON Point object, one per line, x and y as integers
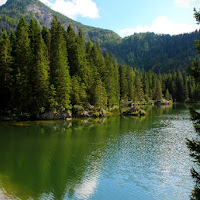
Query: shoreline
{"type": "Point", "coordinates": [133, 109]}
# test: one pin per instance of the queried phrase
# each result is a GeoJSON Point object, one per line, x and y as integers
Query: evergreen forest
{"type": "Point", "coordinates": [43, 69]}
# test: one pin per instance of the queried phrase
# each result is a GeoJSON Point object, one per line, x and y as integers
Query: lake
{"type": "Point", "coordinates": [114, 158]}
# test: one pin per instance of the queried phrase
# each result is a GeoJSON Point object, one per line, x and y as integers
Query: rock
{"type": "Point", "coordinates": [163, 102]}
{"type": "Point", "coordinates": [85, 114]}
{"type": "Point", "coordinates": [52, 115]}
{"type": "Point", "coordinates": [102, 113]}
{"type": "Point", "coordinates": [133, 111]}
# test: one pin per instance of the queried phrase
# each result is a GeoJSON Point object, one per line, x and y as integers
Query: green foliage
{"type": "Point", "coordinates": [39, 68]}
{"type": "Point", "coordinates": [53, 69]}
{"type": "Point", "coordinates": [158, 91]}
{"type": "Point", "coordinates": [159, 53]}
{"type": "Point", "coordinates": [194, 145]}
{"type": "Point", "coordinates": [100, 95]}
{"type": "Point", "coordinates": [21, 90]}
{"type": "Point", "coordinates": [59, 70]}
{"type": "Point", "coordinates": [6, 61]}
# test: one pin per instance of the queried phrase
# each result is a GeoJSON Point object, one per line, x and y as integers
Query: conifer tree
{"type": "Point", "coordinates": [131, 80]}
{"type": "Point", "coordinates": [5, 70]}
{"type": "Point", "coordinates": [123, 82]}
{"type": "Point", "coordinates": [138, 93]}
{"type": "Point", "coordinates": [72, 50]}
{"type": "Point", "coordinates": [167, 95]}
{"type": "Point", "coordinates": [21, 91]}
{"type": "Point", "coordinates": [59, 70]}
{"type": "Point", "coordinates": [100, 95]}
{"type": "Point", "coordinates": [46, 35]}
{"type": "Point", "coordinates": [111, 80]}
{"type": "Point", "coordinates": [180, 92]}
{"type": "Point", "coordinates": [158, 91]}
{"type": "Point", "coordinates": [39, 72]}
{"type": "Point", "coordinates": [84, 69]}
{"type": "Point", "coordinates": [79, 95]}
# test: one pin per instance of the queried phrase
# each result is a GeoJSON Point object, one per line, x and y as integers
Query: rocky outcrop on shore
{"type": "Point", "coordinates": [134, 111]}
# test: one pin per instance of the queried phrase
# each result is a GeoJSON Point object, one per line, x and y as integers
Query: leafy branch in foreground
{"type": "Point", "coordinates": [194, 145]}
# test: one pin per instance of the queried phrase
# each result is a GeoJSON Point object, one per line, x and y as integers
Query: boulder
{"type": "Point", "coordinates": [52, 115]}
{"type": "Point", "coordinates": [133, 111]}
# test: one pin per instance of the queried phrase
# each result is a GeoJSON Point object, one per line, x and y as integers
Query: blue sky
{"type": "Point", "coordinates": [126, 17]}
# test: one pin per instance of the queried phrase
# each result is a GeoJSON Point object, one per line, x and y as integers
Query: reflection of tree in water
{"type": "Point", "coordinates": [48, 160]}
{"type": "Point", "coordinates": [60, 159]}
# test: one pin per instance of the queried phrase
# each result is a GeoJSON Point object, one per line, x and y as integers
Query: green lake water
{"type": "Point", "coordinates": [115, 158]}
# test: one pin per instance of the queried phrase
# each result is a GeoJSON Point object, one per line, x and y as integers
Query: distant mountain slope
{"type": "Point", "coordinates": [161, 53]}
{"type": "Point", "coordinates": [11, 11]}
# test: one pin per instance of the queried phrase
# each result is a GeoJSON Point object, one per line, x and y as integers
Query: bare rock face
{"type": "Point", "coordinates": [41, 13]}
{"type": "Point", "coordinates": [45, 16]}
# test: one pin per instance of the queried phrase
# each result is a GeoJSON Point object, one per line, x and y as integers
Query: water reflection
{"type": "Point", "coordinates": [111, 158]}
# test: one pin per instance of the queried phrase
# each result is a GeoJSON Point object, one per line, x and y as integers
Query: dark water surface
{"type": "Point", "coordinates": [116, 158]}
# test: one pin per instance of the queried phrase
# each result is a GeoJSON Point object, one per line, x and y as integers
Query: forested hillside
{"type": "Point", "coordinates": [159, 53]}
{"type": "Point", "coordinates": [42, 69]}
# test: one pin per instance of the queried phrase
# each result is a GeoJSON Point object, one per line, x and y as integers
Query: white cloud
{"type": "Point", "coordinates": [73, 8]}
{"type": "Point", "coordinates": [187, 3]}
{"type": "Point", "coordinates": [2, 2]}
{"type": "Point", "coordinates": [47, 2]}
{"type": "Point", "coordinates": [161, 25]}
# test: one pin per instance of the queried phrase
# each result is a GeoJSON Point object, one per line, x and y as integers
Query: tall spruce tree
{"type": "Point", "coordinates": [21, 91]}
{"type": "Point", "coordinates": [123, 70]}
{"type": "Point", "coordinates": [111, 80]}
{"type": "Point", "coordinates": [39, 66]}
{"type": "Point", "coordinates": [5, 70]}
{"type": "Point", "coordinates": [100, 95]}
{"type": "Point", "coordinates": [72, 50]}
{"type": "Point", "coordinates": [46, 35]}
{"type": "Point", "coordinates": [158, 90]}
{"type": "Point", "coordinates": [84, 69]}
{"type": "Point", "coordinates": [139, 92]}
{"type": "Point", "coordinates": [131, 80]}
{"type": "Point", "coordinates": [59, 69]}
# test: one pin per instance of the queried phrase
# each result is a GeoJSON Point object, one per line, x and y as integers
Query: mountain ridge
{"type": "Point", "coordinates": [160, 53]}
{"type": "Point", "coordinates": [13, 9]}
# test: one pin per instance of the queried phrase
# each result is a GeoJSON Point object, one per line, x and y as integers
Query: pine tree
{"type": "Point", "coordinates": [84, 69]}
{"type": "Point", "coordinates": [79, 95]}
{"type": "Point", "coordinates": [138, 93]}
{"type": "Point", "coordinates": [21, 91]}
{"type": "Point", "coordinates": [100, 95]}
{"type": "Point", "coordinates": [95, 60]}
{"type": "Point", "coordinates": [131, 80]}
{"type": "Point", "coordinates": [111, 81]}
{"type": "Point", "coordinates": [158, 91]}
{"type": "Point", "coordinates": [180, 93]}
{"type": "Point", "coordinates": [123, 82]}
{"type": "Point", "coordinates": [72, 50]}
{"type": "Point", "coordinates": [167, 95]}
{"type": "Point", "coordinates": [39, 72]}
{"type": "Point", "coordinates": [59, 70]}
{"type": "Point", "coordinates": [46, 35]}
{"type": "Point", "coordinates": [5, 70]}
